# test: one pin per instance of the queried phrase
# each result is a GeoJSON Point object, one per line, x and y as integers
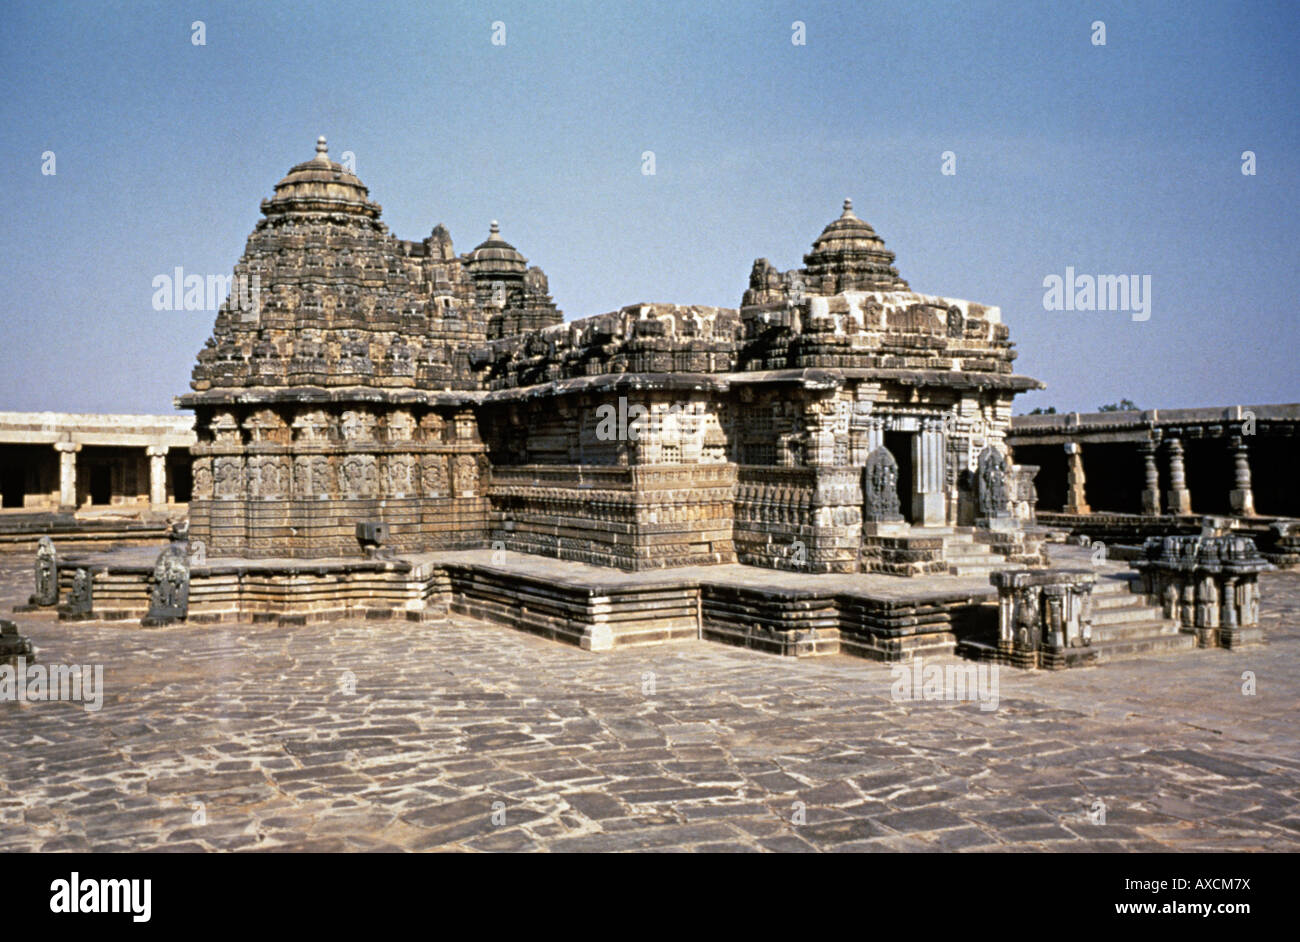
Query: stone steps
{"type": "Point", "coordinates": [964, 556]}
{"type": "Point", "coordinates": [1113, 585]}
{"type": "Point", "coordinates": [1101, 652]}
{"type": "Point", "coordinates": [1125, 626]}
{"type": "Point", "coordinates": [1135, 611]}
{"type": "Point", "coordinates": [955, 550]}
{"type": "Point", "coordinates": [1111, 600]}
{"type": "Point", "coordinates": [982, 569]}
{"type": "Point", "coordinates": [1151, 627]}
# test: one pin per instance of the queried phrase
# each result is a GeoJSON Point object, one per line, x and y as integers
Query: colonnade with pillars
{"type": "Point", "coordinates": [1177, 499]}
{"type": "Point", "coordinates": [67, 451]}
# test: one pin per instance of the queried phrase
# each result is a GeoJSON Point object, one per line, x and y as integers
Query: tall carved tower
{"type": "Point", "coordinates": [336, 387]}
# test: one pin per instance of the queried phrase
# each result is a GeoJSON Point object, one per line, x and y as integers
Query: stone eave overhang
{"type": "Point", "coordinates": [832, 378]}
{"type": "Point", "coordinates": [1153, 424]}
{"type": "Point", "coordinates": [613, 382]}
{"type": "Point", "coordinates": [811, 379]}
{"type": "Point", "coordinates": [326, 395]}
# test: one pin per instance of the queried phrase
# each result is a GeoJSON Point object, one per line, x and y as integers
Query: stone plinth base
{"type": "Point", "coordinates": [595, 615]}
{"type": "Point", "coordinates": [903, 555]}
{"type": "Point", "coordinates": [789, 622]}
{"type": "Point", "coordinates": [635, 518]}
{"type": "Point", "coordinates": [288, 592]}
{"type": "Point", "coordinates": [1240, 637]}
{"type": "Point", "coordinates": [799, 519]}
{"type": "Point", "coordinates": [790, 614]}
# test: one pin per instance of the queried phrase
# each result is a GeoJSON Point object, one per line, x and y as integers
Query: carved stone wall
{"type": "Point", "coordinates": [294, 483]}
{"type": "Point", "coordinates": [802, 519]}
{"type": "Point", "coordinates": [634, 518]}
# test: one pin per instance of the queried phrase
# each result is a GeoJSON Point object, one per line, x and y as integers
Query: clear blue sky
{"type": "Point", "coordinates": [1122, 159]}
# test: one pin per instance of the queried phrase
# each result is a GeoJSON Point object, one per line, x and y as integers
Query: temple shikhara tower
{"type": "Point", "coordinates": [339, 394]}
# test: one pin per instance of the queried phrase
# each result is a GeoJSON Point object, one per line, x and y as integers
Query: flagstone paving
{"type": "Point", "coordinates": [469, 736]}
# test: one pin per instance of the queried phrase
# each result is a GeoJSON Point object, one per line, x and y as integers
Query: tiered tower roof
{"type": "Point", "coordinates": [321, 185]}
{"type": "Point", "coordinates": [850, 256]}
{"type": "Point", "coordinates": [495, 256]}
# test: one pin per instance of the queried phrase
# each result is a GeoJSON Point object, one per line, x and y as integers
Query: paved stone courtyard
{"type": "Point", "coordinates": [696, 746]}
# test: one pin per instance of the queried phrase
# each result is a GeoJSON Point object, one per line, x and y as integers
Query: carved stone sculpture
{"type": "Point", "coordinates": [169, 600]}
{"type": "Point", "coordinates": [992, 483]}
{"type": "Point", "coordinates": [880, 487]}
{"type": "Point", "coordinates": [81, 602]}
{"type": "Point", "coordinates": [47, 574]}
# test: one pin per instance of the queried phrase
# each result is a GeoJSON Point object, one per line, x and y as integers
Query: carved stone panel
{"type": "Point", "coordinates": [466, 476]}
{"type": "Point", "coordinates": [228, 476]}
{"type": "Point", "coordinates": [433, 474]}
{"type": "Point", "coordinates": [399, 476]}
{"type": "Point", "coordinates": [360, 477]}
{"type": "Point", "coordinates": [202, 488]}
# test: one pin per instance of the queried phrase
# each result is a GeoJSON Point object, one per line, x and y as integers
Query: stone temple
{"type": "Point", "coordinates": [392, 381]}
{"type": "Point", "coordinates": [394, 430]}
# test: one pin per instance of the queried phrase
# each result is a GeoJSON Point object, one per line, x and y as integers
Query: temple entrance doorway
{"type": "Point", "coordinates": [13, 486]}
{"type": "Point", "coordinates": [900, 446]}
{"type": "Point", "coordinates": [101, 484]}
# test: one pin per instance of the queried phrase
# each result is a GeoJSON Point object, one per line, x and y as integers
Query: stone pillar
{"type": "Point", "coordinates": [1228, 618]}
{"type": "Point", "coordinates": [157, 476]}
{"type": "Point", "coordinates": [929, 509]}
{"type": "Point", "coordinates": [1178, 498]}
{"type": "Point", "coordinates": [1241, 497]}
{"type": "Point", "coordinates": [1151, 485]}
{"type": "Point", "coordinates": [1076, 500]}
{"type": "Point", "coordinates": [67, 474]}
{"type": "Point", "coordinates": [875, 434]}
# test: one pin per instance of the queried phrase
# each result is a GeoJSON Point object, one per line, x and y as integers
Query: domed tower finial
{"type": "Point", "coordinates": [321, 148]}
{"type": "Point", "coordinates": [848, 205]}
{"type": "Point", "coordinates": [494, 228]}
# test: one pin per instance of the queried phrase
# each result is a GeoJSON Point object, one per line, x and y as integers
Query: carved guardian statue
{"type": "Point", "coordinates": [992, 481]}
{"type": "Point", "coordinates": [47, 574]}
{"type": "Point", "coordinates": [880, 487]}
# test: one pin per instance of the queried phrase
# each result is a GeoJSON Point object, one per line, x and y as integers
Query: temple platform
{"type": "Point", "coordinates": [596, 608]}
{"type": "Point", "coordinates": [884, 618]}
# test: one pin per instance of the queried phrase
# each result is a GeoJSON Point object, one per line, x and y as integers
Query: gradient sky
{"type": "Point", "coordinates": [1122, 159]}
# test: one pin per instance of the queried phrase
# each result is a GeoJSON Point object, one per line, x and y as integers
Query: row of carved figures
{"type": "Point", "coordinates": [349, 477]}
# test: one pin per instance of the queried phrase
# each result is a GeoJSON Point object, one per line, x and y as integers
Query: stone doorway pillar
{"type": "Point", "coordinates": [1076, 499]}
{"type": "Point", "coordinates": [1178, 498]}
{"type": "Point", "coordinates": [1151, 485]}
{"type": "Point", "coordinates": [929, 508]}
{"type": "Point", "coordinates": [67, 474]}
{"type": "Point", "coordinates": [157, 476]}
{"type": "Point", "coordinates": [1241, 496]}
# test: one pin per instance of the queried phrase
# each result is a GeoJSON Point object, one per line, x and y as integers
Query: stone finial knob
{"type": "Point", "coordinates": [848, 203]}
{"type": "Point", "coordinates": [494, 228]}
{"type": "Point", "coordinates": [320, 146]}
